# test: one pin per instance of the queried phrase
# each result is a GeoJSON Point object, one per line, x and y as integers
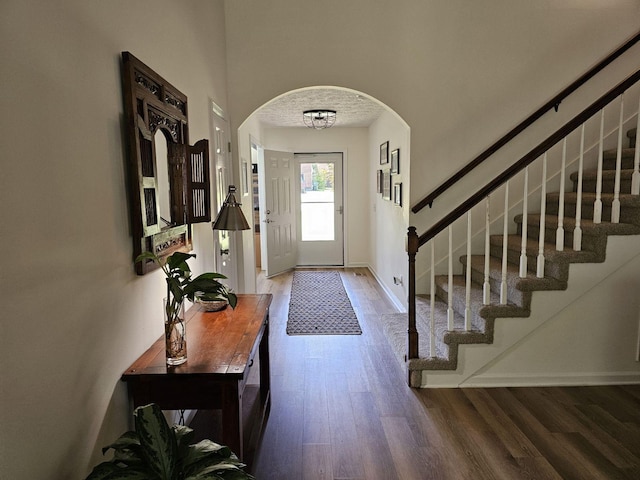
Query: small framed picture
{"type": "Point", "coordinates": [384, 153]}
{"type": "Point", "coordinates": [379, 181]}
{"type": "Point", "coordinates": [397, 194]}
{"type": "Point", "coordinates": [386, 185]}
{"type": "Point", "coordinates": [395, 161]}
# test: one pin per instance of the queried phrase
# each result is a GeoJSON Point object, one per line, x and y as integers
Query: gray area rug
{"type": "Point", "coordinates": [319, 305]}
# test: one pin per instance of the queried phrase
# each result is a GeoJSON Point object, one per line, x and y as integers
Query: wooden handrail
{"type": "Point", "coordinates": [529, 157]}
{"type": "Point", "coordinates": [553, 103]}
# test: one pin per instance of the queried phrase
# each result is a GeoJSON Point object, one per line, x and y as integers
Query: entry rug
{"type": "Point", "coordinates": [319, 305]}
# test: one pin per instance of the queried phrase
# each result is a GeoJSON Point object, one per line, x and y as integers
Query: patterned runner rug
{"type": "Point", "coordinates": [319, 305]}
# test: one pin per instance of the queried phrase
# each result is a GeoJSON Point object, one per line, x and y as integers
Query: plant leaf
{"type": "Point", "coordinates": [110, 471]}
{"type": "Point", "coordinates": [128, 440]}
{"type": "Point", "coordinates": [212, 275]}
{"type": "Point", "coordinates": [147, 256]}
{"type": "Point", "coordinates": [178, 261]}
{"type": "Point", "coordinates": [233, 299]}
{"type": "Point", "coordinates": [183, 435]}
{"type": "Point", "coordinates": [222, 471]}
{"type": "Point", "coordinates": [158, 441]}
{"type": "Point", "coordinates": [206, 449]}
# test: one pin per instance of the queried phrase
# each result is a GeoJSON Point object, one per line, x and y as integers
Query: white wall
{"type": "Point", "coordinates": [389, 222]}
{"type": "Point", "coordinates": [75, 313]}
{"type": "Point", "coordinates": [353, 143]}
{"type": "Point", "coordinates": [442, 66]}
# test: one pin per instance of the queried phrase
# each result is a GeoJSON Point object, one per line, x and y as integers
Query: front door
{"type": "Point", "coordinates": [278, 217]}
{"type": "Point", "coordinates": [319, 209]}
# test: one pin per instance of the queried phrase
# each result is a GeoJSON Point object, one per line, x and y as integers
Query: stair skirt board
{"type": "Point", "coordinates": [492, 353]}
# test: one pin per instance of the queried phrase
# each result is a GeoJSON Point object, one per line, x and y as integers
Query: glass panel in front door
{"type": "Point", "coordinates": [317, 199]}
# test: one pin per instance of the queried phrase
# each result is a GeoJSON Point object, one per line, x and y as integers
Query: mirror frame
{"type": "Point", "coordinates": [152, 103]}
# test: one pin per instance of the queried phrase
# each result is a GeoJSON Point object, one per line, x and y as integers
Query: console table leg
{"type": "Point", "coordinates": [232, 420]}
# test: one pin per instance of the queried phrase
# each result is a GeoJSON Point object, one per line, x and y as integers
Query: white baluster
{"type": "Point", "coordinates": [597, 204]}
{"type": "Point", "coordinates": [577, 231]}
{"type": "Point", "coordinates": [450, 293]}
{"type": "Point", "coordinates": [486, 286]}
{"type": "Point", "coordinates": [543, 210]}
{"type": "Point", "coordinates": [560, 229]}
{"type": "Point", "coordinates": [505, 233]}
{"type": "Point", "coordinates": [615, 206]}
{"type": "Point", "coordinates": [467, 308]}
{"type": "Point", "coordinates": [525, 214]}
{"type": "Point", "coordinates": [432, 309]}
{"type": "Point", "coordinates": [635, 178]}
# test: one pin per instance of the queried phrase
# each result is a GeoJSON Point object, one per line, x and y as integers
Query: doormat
{"type": "Point", "coordinates": [319, 305]}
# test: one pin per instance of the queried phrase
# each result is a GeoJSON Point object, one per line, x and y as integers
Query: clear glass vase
{"type": "Point", "coordinates": [175, 334]}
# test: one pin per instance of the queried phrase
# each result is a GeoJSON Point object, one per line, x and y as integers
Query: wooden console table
{"type": "Point", "coordinates": [221, 354]}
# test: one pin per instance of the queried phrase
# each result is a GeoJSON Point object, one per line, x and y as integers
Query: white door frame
{"type": "Point", "coordinates": [337, 256]}
{"type": "Point", "coordinates": [225, 254]}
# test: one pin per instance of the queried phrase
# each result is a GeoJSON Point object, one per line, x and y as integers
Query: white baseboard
{"type": "Point", "coordinates": [396, 303]}
{"type": "Point", "coordinates": [556, 380]}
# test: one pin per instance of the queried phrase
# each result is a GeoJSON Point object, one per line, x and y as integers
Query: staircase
{"type": "Point", "coordinates": [450, 292]}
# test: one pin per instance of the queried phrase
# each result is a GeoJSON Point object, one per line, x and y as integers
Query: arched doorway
{"type": "Point", "coordinates": [361, 119]}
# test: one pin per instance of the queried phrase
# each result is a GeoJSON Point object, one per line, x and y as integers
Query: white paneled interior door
{"type": "Point", "coordinates": [278, 220]}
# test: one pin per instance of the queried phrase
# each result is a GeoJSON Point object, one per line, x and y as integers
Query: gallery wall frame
{"type": "Point", "coordinates": [384, 153]}
{"type": "Point", "coordinates": [395, 161]}
{"type": "Point", "coordinates": [397, 194]}
{"type": "Point", "coordinates": [386, 185]}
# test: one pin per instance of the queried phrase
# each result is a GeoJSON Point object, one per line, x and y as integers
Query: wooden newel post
{"type": "Point", "coordinates": [412, 249]}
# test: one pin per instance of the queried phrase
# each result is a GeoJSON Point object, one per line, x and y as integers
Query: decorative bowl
{"type": "Point", "coordinates": [212, 305]}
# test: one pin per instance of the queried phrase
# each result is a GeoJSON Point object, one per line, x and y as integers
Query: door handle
{"type": "Point", "coordinates": [340, 210]}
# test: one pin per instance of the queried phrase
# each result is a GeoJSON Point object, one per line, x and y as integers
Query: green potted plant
{"type": "Point", "coordinates": [181, 286]}
{"type": "Point", "coordinates": [155, 451]}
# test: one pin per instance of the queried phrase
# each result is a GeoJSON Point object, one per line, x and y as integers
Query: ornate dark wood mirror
{"type": "Point", "coordinates": [169, 185]}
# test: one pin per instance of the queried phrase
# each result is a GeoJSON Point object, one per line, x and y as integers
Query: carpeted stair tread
{"type": "Point", "coordinates": [568, 255]}
{"type": "Point", "coordinates": [530, 283]}
{"type": "Point", "coordinates": [607, 175]}
{"type": "Point", "coordinates": [610, 157]}
{"type": "Point", "coordinates": [626, 199]}
{"type": "Point", "coordinates": [587, 226]}
{"type": "Point", "coordinates": [395, 327]}
{"type": "Point", "coordinates": [494, 310]}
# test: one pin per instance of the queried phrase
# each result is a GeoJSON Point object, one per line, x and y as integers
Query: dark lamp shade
{"type": "Point", "coordinates": [230, 216]}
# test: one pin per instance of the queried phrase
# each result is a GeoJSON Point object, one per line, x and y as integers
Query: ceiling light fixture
{"type": "Point", "coordinates": [319, 119]}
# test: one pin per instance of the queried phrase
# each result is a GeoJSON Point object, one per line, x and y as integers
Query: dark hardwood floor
{"type": "Point", "coordinates": [341, 410]}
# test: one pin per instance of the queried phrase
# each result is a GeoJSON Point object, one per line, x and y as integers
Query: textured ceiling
{"type": "Point", "coordinates": [352, 109]}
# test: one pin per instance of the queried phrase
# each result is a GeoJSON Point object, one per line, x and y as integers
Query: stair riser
{"type": "Point", "coordinates": [590, 243]}
{"type": "Point", "coordinates": [628, 214]}
{"type": "Point", "coordinates": [609, 161]}
{"type": "Point", "coordinates": [607, 187]}
{"type": "Point", "coordinates": [556, 270]}
{"type": "Point", "coordinates": [514, 295]}
{"type": "Point", "coordinates": [458, 303]}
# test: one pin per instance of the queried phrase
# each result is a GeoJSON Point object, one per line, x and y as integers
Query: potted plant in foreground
{"type": "Point", "coordinates": [155, 451]}
{"type": "Point", "coordinates": [181, 286]}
